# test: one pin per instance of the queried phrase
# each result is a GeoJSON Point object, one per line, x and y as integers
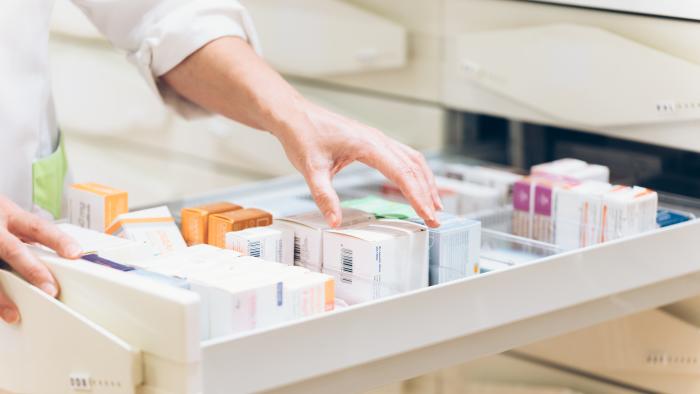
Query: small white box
{"type": "Point", "coordinates": [308, 234]}
{"type": "Point", "coordinates": [271, 243]}
{"type": "Point", "coordinates": [573, 169]}
{"type": "Point", "coordinates": [577, 214]}
{"type": "Point", "coordinates": [500, 180]}
{"type": "Point", "coordinates": [94, 206]}
{"type": "Point", "coordinates": [472, 197]}
{"type": "Point", "coordinates": [558, 167]}
{"type": "Point", "coordinates": [307, 294]}
{"type": "Point", "coordinates": [628, 211]}
{"type": "Point", "coordinates": [154, 227]}
{"type": "Point", "coordinates": [593, 172]}
{"type": "Point", "coordinates": [242, 302]}
{"type": "Point", "coordinates": [455, 248]}
{"type": "Point", "coordinates": [376, 260]}
{"type": "Point", "coordinates": [415, 259]}
{"type": "Point", "coordinates": [117, 249]}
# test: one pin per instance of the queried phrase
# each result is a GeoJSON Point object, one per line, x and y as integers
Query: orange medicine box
{"type": "Point", "coordinates": [195, 220]}
{"type": "Point", "coordinates": [222, 223]}
{"type": "Point", "coordinates": [95, 206]}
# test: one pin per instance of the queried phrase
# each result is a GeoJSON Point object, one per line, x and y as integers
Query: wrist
{"type": "Point", "coordinates": [291, 120]}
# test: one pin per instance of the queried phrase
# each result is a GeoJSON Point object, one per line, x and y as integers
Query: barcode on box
{"type": "Point", "coordinates": [347, 265]}
{"type": "Point", "coordinates": [254, 248]}
{"type": "Point", "coordinates": [297, 250]}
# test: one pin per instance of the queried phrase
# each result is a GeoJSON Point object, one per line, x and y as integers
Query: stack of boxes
{"type": "Point", "coordinates": [596, 212]}
{"type": "Point", "coordinates": [571, 203]}
{"type": "Point", "coordinates": [308, 231]}
{"type": "Point", "coordinates": [105, 209]}
{"type": "Point", "coordinates": [494, 178]}
{"type": "Point", "coordinates": [241, 293]}
{"type": "Point", "coordinates": [195, 220]}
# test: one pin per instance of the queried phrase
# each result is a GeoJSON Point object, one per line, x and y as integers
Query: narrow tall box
{"type": "Point", "coordinates": [222, 223]}
{"type": "Point", "coordinates": [95, 206]}
{"type": "Point", "coordinates": [455, 248]}
{"type": "Point", "coordinates": [195, 220]}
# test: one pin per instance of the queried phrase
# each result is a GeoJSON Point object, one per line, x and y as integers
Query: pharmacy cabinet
{"type": "Point", "coordinates": [119, 334]}
{"type": "Point", "coordinates": [652, 349]}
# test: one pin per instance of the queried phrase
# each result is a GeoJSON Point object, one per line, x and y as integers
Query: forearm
{"type": "Point", "coordinates": [226, 76]}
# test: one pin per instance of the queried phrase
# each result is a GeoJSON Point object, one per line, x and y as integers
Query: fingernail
{"type": "Point", "coordinates": [49, 289]}
{"type": "Point", "coordinates": [331, 218]}
{"type": "Point", "coordinates": [73, 250]}
{"type": "Point", "coordinates": [10, 316]}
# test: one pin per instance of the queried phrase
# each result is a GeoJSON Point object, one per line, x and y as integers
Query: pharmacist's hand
{"type": "Point", "coordinates": [18, 226]}
{"type": "Point", "coordinates": [335, 141]}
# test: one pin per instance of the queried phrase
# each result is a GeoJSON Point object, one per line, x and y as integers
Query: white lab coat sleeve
{"type": "Point", "coordinates": [159, 34]}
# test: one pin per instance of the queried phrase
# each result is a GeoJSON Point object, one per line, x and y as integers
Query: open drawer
{"type": "Point", "coordinates": [152, 332]}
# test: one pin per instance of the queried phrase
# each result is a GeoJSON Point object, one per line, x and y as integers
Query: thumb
{"type": "Point", "coordinates": [325, 196]}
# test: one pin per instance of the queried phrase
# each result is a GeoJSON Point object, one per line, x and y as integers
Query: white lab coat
{"type": "Point", "coordinates": [156, 34]}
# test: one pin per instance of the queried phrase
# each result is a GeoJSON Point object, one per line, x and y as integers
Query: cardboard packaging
{"type": "Point", "coordinates": [667, 217]}
{"type": "Point", "coordinates": [153, 227]}
{"type": "Point", "coordinates": [308, 293]}
{"type": "Point", "coordinates": [578, 214]}
{"type": "Point", "coordinates": [455, 248]}
{"type": "Point", "coordinates": [240, 303]}
{"type": "Point", "coordinates": [533, 206]}
{"type": "Point", "coordinates": [271, 243]}
{"type": "Point", "coordinates": [308, 234]}
{"type": "Point", "coordinates": [376, 259]}
{"type": "Point", "coordinates": [282, 206]}
{"type": "Point", "coordinates": [222, 223]}
{"type": "Point", "coordinates": [195, 220]}
{"type": "Point", "coordinates": [450, 200]}
{"type": "Point", "coordinates": [164, 279]}
{"type": "Point", "coordinates": [192, 257]}
{"type": "Point", "coordinates": [628, 211]}
{"type": "Point", "coordinates": [472, 197]}
{"type": "Point", "coordinates": [558, 167]}
{"type": "Point", "coordinates": [117, 249]}
{"type": "Point", "coordinates": [500, 180]}
{"type": "Point", "coordinates": [415, 270]}
{"type": "Point", "coordinates": [95, 206]}
{"type": "Point", "coordinates": [573, 170]}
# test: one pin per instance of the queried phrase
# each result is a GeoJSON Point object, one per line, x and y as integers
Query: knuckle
{"type": "Point", "coordinates": [11, 252]}
{"type": "Point", "coordinates": [36, 225]}
{"type": "Point", "coordinates": [34, 273]}
{"type": "Point", "coordinates": [410, 171]}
